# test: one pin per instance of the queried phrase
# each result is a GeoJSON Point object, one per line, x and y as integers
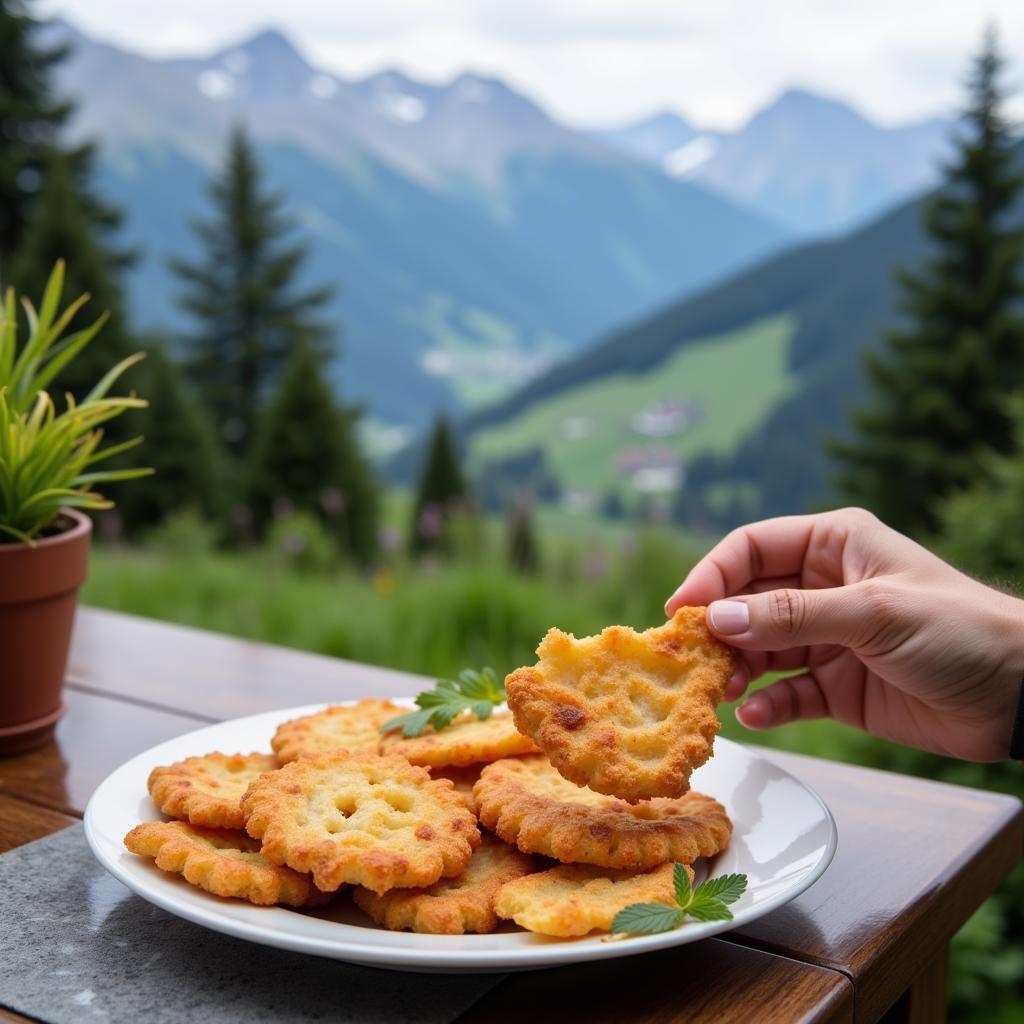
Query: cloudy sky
{"type": "Point", "coordinates": [605, 61]}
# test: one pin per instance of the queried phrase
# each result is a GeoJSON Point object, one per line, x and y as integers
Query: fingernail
{"type": "Point", "coordinates": [729, 617]}
{"type": "Point", "coordinates": [755, 712]}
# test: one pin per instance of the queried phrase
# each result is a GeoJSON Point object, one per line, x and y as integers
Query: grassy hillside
{"type": "Point", "coordinates": [835, 299]}
{"type": "Point", "coordinates": [726, 385]}
{"type": "Point", "coordinates": [836, 290]}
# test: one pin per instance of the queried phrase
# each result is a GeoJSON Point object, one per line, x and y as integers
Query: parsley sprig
{"type": "Point", "coordinates": [708, 902]}
{"type": "Point", "coordinates": [473, 691]}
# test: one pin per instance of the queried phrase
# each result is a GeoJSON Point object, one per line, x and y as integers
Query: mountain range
{"type": "Point", "coordinates": [813, 163]}
{"type": "Point", "coordinates": [473, 239]}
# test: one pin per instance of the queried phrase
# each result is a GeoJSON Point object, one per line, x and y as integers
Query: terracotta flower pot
{"type": "Point", "coordinates": [38, 591]}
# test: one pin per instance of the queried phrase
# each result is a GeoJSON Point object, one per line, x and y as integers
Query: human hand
{"type": "Point", "coordinates": [890, 638]}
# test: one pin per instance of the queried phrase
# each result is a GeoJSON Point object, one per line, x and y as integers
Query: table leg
{"type": "Point", "coordinates": [925, 1001]}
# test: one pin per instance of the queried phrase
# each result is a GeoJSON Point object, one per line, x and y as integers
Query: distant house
{"type": "Point", "coordinates": [665, 418]}
{"type": "Point", "coordinates": [652, 469]}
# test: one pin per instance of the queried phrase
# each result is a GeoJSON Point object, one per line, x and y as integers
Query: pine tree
{"type": "Point", "coordinates": [307, 459]}
{"type": "Point", "coordinates": [64, 225]}
{"type": "Point", "coordinates": [523, 554]}
{"type": "Point", "coordinates": [442, 490]}
{"type": "Point", "coordinates": [30, 118]}
{"type": "Point", "coordinates": [180, 444]}
{"type": "Point", "coordinates": [47, 208]}
{"type": "Point", "coordinates": [936, 403]}
{"type": "Point", "coordinates": [243, 296]}
{"type": "Point", "coordinates": [981, 525]}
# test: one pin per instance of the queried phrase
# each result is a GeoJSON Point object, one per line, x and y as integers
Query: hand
{"type": "Point", "coordinates": [890, 638]}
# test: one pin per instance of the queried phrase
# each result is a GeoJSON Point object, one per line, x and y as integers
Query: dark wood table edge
{"type": "Point", "coordinates": [998, 852]}
{"type": "Point", "coordinates": [840, 1008]}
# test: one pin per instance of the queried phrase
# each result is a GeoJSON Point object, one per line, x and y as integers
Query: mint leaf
{"type": "Point", "coordinates": [708, 909]}
{"type": "Point", "coordinates": [725, 888]}
{"type": "Point", "coordinates": [708, 902]}
{"type": "Point", "coordinates": [482, 709]}
{"type": "Point", "coordinates": [411, 724]}
{"type": "Point", "coordinates": [483, 686]}
{"type": "Point", "coordinates": [647, 918]}
{"type": "Point", "coordinates": [681, 881]}
{"type": "Point", "coordinates": [442, 695]}
{"type": "Point", "coordinates": [443, 716]}
{"type": "Point", "coordinates": [475, 692]}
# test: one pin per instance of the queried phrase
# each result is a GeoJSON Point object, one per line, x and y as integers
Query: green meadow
{"type": "Point", "coordinates": [733, 381]}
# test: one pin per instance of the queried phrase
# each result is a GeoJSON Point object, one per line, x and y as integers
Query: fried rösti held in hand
{"type": "Point", "coordinates": [624, 713]}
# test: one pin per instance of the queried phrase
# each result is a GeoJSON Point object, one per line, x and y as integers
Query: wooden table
{"type": "Point", "coordinates": [869, 941]}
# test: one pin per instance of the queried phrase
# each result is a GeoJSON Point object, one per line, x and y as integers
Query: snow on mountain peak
{"type": "Point", "coordinates": [687, 158]}
{"type": "Point", "coordinates": [322, 86]}
{"type": "Point", "coordinates": [403, 108]}
{"type": "Point", "coordinates": [216, 85]}
{"type": "Point", "coordinates": [392, 98]}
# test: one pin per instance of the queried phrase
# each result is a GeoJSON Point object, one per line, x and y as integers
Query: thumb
{"type": "Point", "coordinates": [780, 619]}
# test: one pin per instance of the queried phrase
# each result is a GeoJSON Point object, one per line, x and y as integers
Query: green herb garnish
{"type": "Point", "coordinates": [474, 691]}
{"type": "Point", "coordinates": [708, 902]}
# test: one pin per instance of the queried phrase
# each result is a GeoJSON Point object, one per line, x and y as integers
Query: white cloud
{"type": "Point", "coordinates": [601, 61]}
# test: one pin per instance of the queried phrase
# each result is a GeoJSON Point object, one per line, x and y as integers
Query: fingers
{"type": "Point", "coordinates": [775, 583]}
{"type": "Point", "coordinates": [786, 700]}
{"type": "Point", "coordinates": [738, 683]}
{"type": "Point", "coordinates": [779, 620]}
{"type": "Point", "coordinates": [752, 665]}
{"type": "Point", "coordinates": [753, 554]}
{"type": "Point", "coordinates": [774, 547]}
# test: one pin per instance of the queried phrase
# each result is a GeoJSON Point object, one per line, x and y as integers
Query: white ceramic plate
{"type": "Point", "coordinates": [784, 838]}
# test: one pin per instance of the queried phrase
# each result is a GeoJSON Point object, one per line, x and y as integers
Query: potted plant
{"type": "Point", "coordinates": [47, 475]}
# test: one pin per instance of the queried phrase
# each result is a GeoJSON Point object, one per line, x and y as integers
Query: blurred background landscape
{"type": "Point", "coordinates": [459, 327]}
